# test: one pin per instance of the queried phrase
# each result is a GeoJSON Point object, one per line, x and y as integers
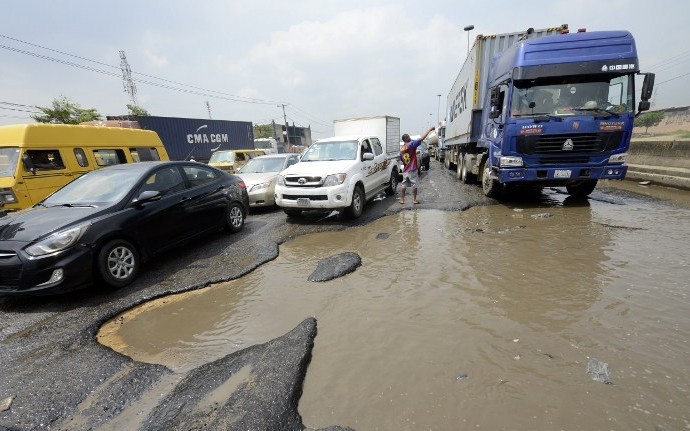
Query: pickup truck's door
{"type": "Point", "coordinates": [381, 163]}
{"type": "Point", "coordinates": [369, 174]}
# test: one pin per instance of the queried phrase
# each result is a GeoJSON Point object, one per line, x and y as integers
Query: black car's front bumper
{"type": "Point", "coordinates": [22, 274]}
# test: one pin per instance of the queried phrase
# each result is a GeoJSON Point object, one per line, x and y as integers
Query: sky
{"type": "Point", "coordinates": [322, 59]}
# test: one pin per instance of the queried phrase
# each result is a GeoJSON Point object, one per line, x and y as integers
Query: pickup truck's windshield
{"type": "Point", "coordinates": [8, 161]}
{"type": "Point", "coordinates": [608, 95]}
{"type": "Point", "coordinates": [332, 150]}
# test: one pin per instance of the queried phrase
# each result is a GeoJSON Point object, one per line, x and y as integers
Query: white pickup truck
{"type": "Point", "coordinates": [340, 173]}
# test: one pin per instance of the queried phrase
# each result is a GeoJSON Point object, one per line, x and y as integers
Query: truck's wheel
{"type": "Point", "coordinates": [392, 184]}
{"type": "Point", "coordinates": [446, 162]}
{"type": "Point", "coordinates": [357, 205]}
{"type": "Point", "coordinates": [581, 188]}
{"type": "Point", "coordinates": [465, 176]}
{"type": "Point", "coordinates": [490, 186]}
{"type": "Point", "coordinates": [458, 168]}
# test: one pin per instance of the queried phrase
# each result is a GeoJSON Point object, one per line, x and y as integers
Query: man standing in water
{"type": "Point", "coordinates": [408, 155]}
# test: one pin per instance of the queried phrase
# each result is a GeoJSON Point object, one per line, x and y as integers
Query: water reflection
{"type": "Point", "coordinates": [492, 328]}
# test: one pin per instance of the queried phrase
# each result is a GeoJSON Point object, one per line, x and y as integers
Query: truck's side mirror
{"type": "Point", "coordinates": [28, 164]}
{"type": "Point", "coordinates": [647, 89]}
{"type": "Point", "coordinates": [647, 86]}
{"type": "Point", "coordinates": [496, 103]}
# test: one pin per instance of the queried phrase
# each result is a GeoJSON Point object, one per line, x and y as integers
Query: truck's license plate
{"type": "Point", "coordinates": [303, 201]}
{"type": "Point", "coordinates": [562, 173]}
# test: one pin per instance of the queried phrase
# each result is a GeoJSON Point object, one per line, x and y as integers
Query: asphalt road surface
{"type": "Point", "coordinates": [55, 375]}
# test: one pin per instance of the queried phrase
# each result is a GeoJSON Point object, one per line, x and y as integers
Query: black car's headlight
{"type": "Point", "coordinates": [58, 241]}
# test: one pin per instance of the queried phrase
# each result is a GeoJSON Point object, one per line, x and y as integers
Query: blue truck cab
{"type": "Point", "coordinates": [559, 112]}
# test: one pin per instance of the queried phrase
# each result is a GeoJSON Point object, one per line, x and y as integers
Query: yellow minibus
{"type": "Point", "coordinates": [37, 159]}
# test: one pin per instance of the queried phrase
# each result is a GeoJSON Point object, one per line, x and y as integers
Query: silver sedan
{"type": "Point", "coordinates": [260, 175]}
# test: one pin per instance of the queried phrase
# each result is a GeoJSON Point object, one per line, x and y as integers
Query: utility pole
{"type": "Point", "coordinates": [287, 137]}
{"type": "Point", "coordinates": [128, 82]}
{"type": "Point", "coordinates": [208, 108]}
{"type": "Point", "coordinates": [438, 110]}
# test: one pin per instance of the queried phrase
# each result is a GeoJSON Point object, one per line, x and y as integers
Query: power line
{"type": "Point", "coordinates": [239, 98]}
{"type": "Point", "coordinates": [672, 79]}
{"type": "Point", "coordinates": [201, 91]}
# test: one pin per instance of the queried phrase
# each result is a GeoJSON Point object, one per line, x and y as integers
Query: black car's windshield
{"type": "Point", "coordinates": [268, 164]}
{"type": "Point", "coordinates": [99, 186]}
{"type": "Point", "coordinates": [332, 150]}
{"type": "Point", "coordinates": [608, 95]}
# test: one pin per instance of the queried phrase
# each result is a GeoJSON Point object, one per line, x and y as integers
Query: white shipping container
{"type": "Point", "coordinates": [469, 89]}
{"type": "Point", "coordinates": [384, 127]}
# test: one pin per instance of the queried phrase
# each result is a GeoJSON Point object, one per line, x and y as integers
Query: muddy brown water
{"type": "Point", "coordinates": [482, 319]}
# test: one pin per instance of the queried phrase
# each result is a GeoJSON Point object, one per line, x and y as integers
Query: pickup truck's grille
{"type": "Point", "coordinates": [569, 143]}
{"type": "Point", "coordinates": [310, 197]}
{"type": "Point", "coordinates": [303, 181]}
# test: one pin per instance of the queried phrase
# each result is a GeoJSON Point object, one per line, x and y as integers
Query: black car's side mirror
{"type": "Point", "coordinates": [147, 196]}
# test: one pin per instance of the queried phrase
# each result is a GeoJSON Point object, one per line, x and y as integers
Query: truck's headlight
{"type": "Point", "coordinates": [334, 180]}
{"type": "Point", "coordinates": [281, 180]}
{"type": "Point", "coordinates": [58, 241]}
{"type": "Point", "coordinates": [507, 161]}
{"type": "Point", "coordinates": [618, 158]}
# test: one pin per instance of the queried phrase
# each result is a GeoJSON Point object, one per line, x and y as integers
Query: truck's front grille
{"type": "Point", "coordinates": [586, 143]}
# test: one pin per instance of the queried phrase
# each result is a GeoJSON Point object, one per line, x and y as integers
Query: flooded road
{"type": "Point", "coordinates": [482, 319]}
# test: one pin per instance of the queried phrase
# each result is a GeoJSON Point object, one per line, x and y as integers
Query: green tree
{"type": "Point", "coordinates": [649, 119]}
{"type": "Point", "coordinates": [137, 110]}
{"type": "Point", "coordinates": [263, 131]}
{"type": "Point", "coordinates": [65, 111]}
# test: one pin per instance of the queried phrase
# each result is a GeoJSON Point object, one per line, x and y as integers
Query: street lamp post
{"type": "Point", "coordinates": [438, 110]}
{"type": "Point", "coordinates": [468, 29]}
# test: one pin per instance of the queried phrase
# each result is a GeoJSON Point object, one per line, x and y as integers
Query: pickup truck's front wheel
{"type": "Point", "coordinates": [392, 183]}
{"type": "Point", "coordinates": [357, 205]}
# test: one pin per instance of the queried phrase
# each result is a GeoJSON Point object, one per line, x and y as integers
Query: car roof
{"type": "Point", "coordinates": [139, 167]}
{"type": "Point", "coordinates": [275, 156]}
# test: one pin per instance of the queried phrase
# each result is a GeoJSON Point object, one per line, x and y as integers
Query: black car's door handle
{"type": "Point", "coordinates": [185, 199]}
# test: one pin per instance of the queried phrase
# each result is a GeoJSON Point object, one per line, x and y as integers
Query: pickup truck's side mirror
{"type": "Point", "coordinates": [368, 156]}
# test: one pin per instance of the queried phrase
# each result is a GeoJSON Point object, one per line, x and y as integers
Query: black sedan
{"type": "Point", "coordinates": [103, 225]}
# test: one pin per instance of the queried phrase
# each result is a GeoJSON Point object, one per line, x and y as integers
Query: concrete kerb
{"type": "Point", "coordinates": [665, 163]}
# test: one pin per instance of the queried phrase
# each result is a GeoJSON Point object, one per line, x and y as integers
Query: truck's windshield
{"type": "Point", "coordinates": [8, 161]}
{"type": "Point", "coordinates": [573, 95]}
{"type": "Point", "coordinates": [332, 150]}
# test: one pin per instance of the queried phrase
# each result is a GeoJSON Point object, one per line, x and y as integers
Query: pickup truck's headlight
{"type": "Point", "coordinates": [260, 186]}
{"type": "Point", "coordinates": [281, 180]}
{"type": "Point", "coordinates": [618, 158]}
{"type": "Point", "coordinates": [334, 180]}
{"type": "Point", "coordinates": [507, 161]}
{"type": "Point", "coordinates": [58, 241]}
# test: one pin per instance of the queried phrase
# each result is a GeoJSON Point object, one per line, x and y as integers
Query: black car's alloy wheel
{"type": "Point", "coordinates": [118, 263]}
{"type": "Point", "coordinates": [234, 219]}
